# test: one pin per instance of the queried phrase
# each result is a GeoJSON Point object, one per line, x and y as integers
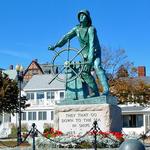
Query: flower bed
{"type": "Point", "coordinates": [56, 139]}
{"type": "Point", "coordinates": [51, 133]}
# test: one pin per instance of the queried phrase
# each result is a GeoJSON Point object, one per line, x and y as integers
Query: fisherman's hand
{"type": "Point", "coordinates": [52, 48]}
{"type": "Point", "coordinates": [87, 67]}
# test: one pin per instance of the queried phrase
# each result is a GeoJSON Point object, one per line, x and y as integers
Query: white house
{"type": "Point", "coordinates": [136, 119]}
{"type": "Point", "coordinates": [42, 97]}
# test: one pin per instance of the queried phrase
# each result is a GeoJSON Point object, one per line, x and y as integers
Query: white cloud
{"type": "Point", "coordinates": [21, 54]}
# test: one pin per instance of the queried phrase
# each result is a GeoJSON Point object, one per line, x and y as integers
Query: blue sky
{"type": "Point", "coordinates": [27, 27]}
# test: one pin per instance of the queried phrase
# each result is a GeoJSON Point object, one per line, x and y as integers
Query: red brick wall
{"type": "Point", "coordinates": [141, 71]}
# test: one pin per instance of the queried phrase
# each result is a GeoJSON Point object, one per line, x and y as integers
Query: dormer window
{"type": "Point", "coordinates": [61, 94]}
{"type": "Point", "coordinates": [51, 95]}
{"type": "Point", "coordinates": [30, 96]}
{"type": "Point", "coordinates": [40, 95]}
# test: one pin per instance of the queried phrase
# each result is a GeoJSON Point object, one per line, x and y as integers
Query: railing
{"type": "Point", "coordinates": [43, 102]}
{"type": "Point", "coordinates": [94, 130]}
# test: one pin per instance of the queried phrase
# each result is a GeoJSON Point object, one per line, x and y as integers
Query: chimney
{"type": "Point", "coordinates": [141, 71]}
{"type": "Point", "coordinates": [11, 67]}
{"type": "Point", "coordinates": [36, 60]}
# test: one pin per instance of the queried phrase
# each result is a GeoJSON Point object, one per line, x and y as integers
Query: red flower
{"type": "Point", "coordinates": [51, 130]}
{"type": "Point", "coordinates": [52, 133]}
{"type": "Point", "coordinates": [117, 135]}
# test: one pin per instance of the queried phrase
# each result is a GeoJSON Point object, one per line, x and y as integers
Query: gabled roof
{"type": "Point", "coordinates": [146, 79]}
{"type": "Point", "coordinates": [36, 63]}
{"type": "Point", "coordinates": [46, 68]}
{"type": "Point", "coordinates": [11, 73]}
{"type": "Point", "coordinates": [41, 82]}
{"type": "Point", "coordinates": [132, 108]}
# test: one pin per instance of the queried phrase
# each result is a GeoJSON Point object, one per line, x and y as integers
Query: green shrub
{"type": "Point", "coordinates": [14, 130]}
{"type": "Point", "coordinates": [13, 133]}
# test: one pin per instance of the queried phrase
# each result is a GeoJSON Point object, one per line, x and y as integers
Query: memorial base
{"type": "Point", "coordinates": [78, 119]}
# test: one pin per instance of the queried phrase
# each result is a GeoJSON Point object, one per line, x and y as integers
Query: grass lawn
{"type": "Point", "coordinates": [10, 143]}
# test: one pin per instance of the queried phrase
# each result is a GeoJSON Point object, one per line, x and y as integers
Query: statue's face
{"type": "Point", "coordinates": [83, 18]}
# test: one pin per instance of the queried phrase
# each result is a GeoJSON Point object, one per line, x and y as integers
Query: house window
{"type": "Point", "coordinates": [48, 95]}
{"type": "Point", "coordinates": [40, 95]}
{"type": "Point", "coordinates": [9, 118]}
{"type": "Point", "coordinates": [51, 95]}
{"type": "Point", "coordinates": [34, 72]}
{"type": "Point", "coordinates": [61, 94]}
{"type": "Point", "coordinates": [133, 120]}
{"type": "Point", "coordinates": [30, 96]}
{"type": "Point", "coordinates": [31, 115]}
{"type": "Point", "coordinates": [23, 116]}
{"type": "Point", "coordinates": [147, 121]}
{"type": "Point", "coordinates": [42, 115]}
{"type": "Point", "coordinates": [52, 115]}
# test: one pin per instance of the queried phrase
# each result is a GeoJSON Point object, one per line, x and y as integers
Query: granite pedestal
{"type": "Point", "coordinates": [78, 117]}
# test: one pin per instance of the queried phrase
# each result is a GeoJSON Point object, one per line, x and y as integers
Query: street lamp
{"type": "Point", "coordinates": [19, 70]}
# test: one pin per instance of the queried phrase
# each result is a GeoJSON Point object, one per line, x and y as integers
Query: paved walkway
{"type": "Point", "coordinates": [30, 148]}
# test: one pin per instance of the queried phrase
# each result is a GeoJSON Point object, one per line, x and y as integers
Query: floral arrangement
{"type": "Point", "coordinates": [56, 139]}
{"type": "Point", "coordinates": [118, 136]}
{"type": "Point", "coordinates": [51, 133]}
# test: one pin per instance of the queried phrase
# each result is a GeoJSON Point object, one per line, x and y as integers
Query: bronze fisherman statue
{"type": "Point", "coordinates": [91, 52]}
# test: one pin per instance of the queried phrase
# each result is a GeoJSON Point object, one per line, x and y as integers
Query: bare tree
{"type": "Point", "coordinates": [113, 59]}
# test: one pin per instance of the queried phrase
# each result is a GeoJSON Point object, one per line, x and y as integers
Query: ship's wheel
{"type": "Point", "coordinates": [67, 64]}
